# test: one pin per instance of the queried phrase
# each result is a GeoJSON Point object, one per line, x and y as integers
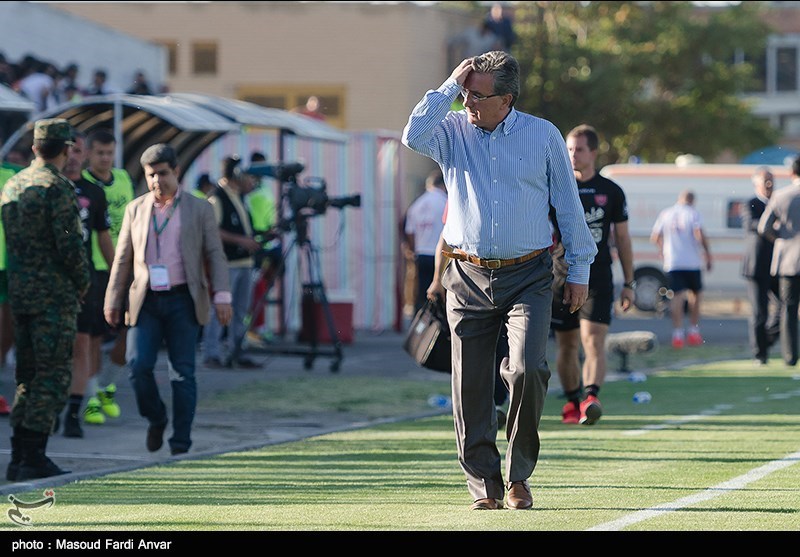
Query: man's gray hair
{"type": "Point", "coordinates": [505, 70]}
{"type": "Point", "coordinates": [158, 153]}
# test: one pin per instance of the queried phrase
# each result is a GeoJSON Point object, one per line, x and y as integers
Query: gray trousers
{"type": "Point", "coordinates": [479, 301]}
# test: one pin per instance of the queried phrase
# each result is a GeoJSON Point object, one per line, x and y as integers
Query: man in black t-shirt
{"type": "Point", "coordinates": [606, 213]}
{"type": "Point", "coordinates": [93, 212]}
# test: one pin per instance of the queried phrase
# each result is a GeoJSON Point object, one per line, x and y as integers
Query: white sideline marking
{"type": "Point", "coordinates": [710, 493]}
{"type": "Point", "coordinates": [706, 413]}
{"type": "Point", "coordinates": [686, 419]}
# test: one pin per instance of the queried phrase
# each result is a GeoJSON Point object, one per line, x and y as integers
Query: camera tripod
{"type": "Point", "coordinates": [313, 294]}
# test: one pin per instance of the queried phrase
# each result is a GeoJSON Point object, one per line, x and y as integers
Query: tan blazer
{"type": "Point", "coordinates": [201, 249]}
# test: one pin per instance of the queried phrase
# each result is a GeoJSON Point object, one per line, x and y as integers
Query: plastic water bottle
{"type": "Point", "coordinates": [637, 377]}
{"type": "Point", "coordinates": [439, 401]}
{"type": "Point", "coordinates": [642, 397]}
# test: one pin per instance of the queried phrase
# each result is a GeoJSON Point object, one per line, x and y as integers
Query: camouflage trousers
{"type": "Point", "coordinates": [44, 344]}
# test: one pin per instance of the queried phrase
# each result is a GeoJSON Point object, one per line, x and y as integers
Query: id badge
{"type": "Point", "coordinates": [159, 277]}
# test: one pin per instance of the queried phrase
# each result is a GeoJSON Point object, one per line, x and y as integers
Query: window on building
{"type": "Point", "coordinates": [776, 69]}
{"type": "Point", "coordinates": [331, 100]}
{"type": "Point", "coordinates": [204, 58]}
{"type": "Point", "coordinates": [790, 125]}
{"type": "Point", "coordinates": [758, 83]}
{"type": "Point", "coordinates": [786, 68]}
{"type": "Point", "coordinates": [172, 55]}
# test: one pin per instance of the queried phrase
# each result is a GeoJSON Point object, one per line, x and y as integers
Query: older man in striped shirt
{"type": "Point", "coordinates": [503, 170]}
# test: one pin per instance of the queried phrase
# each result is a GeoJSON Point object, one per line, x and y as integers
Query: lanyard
{"type": "Point", "coordinates": [159, 229]}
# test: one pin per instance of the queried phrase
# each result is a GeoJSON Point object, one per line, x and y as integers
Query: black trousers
{"type": "Point", "coordinates": [790, 300]}
{"type": "Point", "coordinates": [764, 325]}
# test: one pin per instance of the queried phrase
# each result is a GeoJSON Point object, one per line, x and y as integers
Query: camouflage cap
{"type": "Point", "coordinates": [53, 128]}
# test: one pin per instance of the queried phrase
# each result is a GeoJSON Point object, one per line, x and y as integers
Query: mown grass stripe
{"type": "Point", "coordinates": [712, 492]}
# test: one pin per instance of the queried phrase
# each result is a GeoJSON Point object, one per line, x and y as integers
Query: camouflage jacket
{"type": "Point", "coordinates": [47, 262]}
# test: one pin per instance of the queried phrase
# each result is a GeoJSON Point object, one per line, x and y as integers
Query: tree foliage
{"type": "Point", "coordinates": [655, 78]}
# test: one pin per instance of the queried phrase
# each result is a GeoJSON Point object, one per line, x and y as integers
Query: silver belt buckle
{"type": "Point", "coordinates": [493, 263]}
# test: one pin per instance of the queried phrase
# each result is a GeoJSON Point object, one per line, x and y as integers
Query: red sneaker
{"type": "Point", "coordinates": [570, 414]}
{"type": "Point", "coordinates": [677, 343]}
{"type": "Point", "coordinates": [5, 410]}
{"type": "Point", "coordinates": [694, 339]}
{"type": "Point", "coordinates": [590, 410]}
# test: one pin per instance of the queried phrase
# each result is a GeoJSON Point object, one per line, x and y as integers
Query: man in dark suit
{"type": "Point", "coordinates": [762, 287]}
{"type": "Point", "coordinates": [781, 223]}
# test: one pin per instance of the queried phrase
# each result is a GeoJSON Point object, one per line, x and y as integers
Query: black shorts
{"type": "Point", "coordinates": [685, 280]}
{"type": "Point", "coordinates": [91, 319]}
{"type": "Point", "coordinates": [597, 308]}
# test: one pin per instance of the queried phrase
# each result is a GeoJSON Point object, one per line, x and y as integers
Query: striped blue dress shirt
{"type": "Point", "coordinates": [500, 184]}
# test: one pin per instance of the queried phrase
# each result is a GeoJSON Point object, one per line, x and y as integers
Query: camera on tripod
{"type": "Point", "coordinates": [306, 200]}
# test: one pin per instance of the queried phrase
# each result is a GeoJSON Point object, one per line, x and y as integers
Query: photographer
{"type": "Point", "coordinates": [236, 231]}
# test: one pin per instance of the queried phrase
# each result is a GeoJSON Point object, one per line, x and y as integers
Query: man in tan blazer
{"type": "Point", "coordinates": [781, 224]}
{"type": "Point", "coordinates": [168, 250]}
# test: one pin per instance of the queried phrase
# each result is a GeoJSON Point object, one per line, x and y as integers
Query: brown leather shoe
{"type": "Point", "coordinates": [519, 496]}
{"type": "Point", "coordinates": [486, 505]}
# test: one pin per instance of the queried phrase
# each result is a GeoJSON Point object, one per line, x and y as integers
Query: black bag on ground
{"type": "Point", "coordinates": [428, 337]}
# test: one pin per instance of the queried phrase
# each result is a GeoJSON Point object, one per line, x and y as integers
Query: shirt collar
{"type": "Point", "coordinates": [506, 126]}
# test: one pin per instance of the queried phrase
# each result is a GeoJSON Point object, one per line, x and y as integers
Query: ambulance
{"type": "Point", "coordinates": [721, 192]}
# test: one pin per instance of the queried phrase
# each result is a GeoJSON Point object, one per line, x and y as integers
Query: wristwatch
{"type": "Point", "coordinates": [631, 285]}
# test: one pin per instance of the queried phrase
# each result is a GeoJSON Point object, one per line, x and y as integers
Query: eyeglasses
{"type": "Point", "coordinates": [475, 96]}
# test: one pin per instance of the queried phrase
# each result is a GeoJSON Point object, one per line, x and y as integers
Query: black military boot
{"type": "Point", "coordinates": [35, 464]}
{"type": "Point", "coordinates": [16, 457]}
{"type": "Point", "coordinates": [72, 425]}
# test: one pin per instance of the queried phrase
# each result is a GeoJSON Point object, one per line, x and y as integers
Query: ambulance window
{"type": "Point", "coordinates": [735, 208]}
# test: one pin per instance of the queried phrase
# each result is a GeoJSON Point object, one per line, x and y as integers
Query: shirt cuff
{"type": "Point", "coordinates": [578, 274]}
{"type": "Point", "coordinates": [223, 297]}
{"type": "Point", "coordinates": [450, 87]}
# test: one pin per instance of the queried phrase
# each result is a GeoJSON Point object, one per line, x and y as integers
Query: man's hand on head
{"type": "Point", "coordinates": [462, 71]}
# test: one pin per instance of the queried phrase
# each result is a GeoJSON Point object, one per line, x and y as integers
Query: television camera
{"type": "Point", "coordinates": [306, 200]}
{"type": "Point", "coordinates": [303, 201]}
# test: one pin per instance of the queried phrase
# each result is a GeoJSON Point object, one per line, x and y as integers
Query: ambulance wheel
{"type": "Point", "coordinates": [652, 291]}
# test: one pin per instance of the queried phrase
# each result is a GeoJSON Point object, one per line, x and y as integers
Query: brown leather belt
{"type": "Point", "coordinates": [492, 263]}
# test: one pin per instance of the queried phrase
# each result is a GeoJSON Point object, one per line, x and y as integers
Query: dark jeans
{"type": "Point", "coordinates": [167, 317]}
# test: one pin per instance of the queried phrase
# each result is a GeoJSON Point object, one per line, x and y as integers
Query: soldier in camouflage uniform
{"type": "Point", "coordinates": [48, 274]}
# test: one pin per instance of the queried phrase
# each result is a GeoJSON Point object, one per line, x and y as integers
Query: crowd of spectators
{"type": "Point", "coordinates": [48, 86]}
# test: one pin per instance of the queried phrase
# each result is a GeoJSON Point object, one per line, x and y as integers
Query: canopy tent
{"type": "Point", "coordinates": [14, 111]}
{"type": "Point", "coordinates": [10, 101]}
{"type": "Point", "coordinates": [188, 122]}
{"type": "Point", "coordinates": [775, 154]}
{"type": "Point", "coordinates": [249, 114]}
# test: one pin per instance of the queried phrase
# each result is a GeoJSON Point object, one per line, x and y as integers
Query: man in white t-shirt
{"type": "Point", "coordinates": [682, 245]}
{"type": "Point", "coordinates": [423, 227]}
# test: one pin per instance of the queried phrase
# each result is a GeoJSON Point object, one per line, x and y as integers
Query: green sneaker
{"type": "Point", "coordinates": [107, 402]}
{"type": "Point", "coordinates": [93, 413]}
